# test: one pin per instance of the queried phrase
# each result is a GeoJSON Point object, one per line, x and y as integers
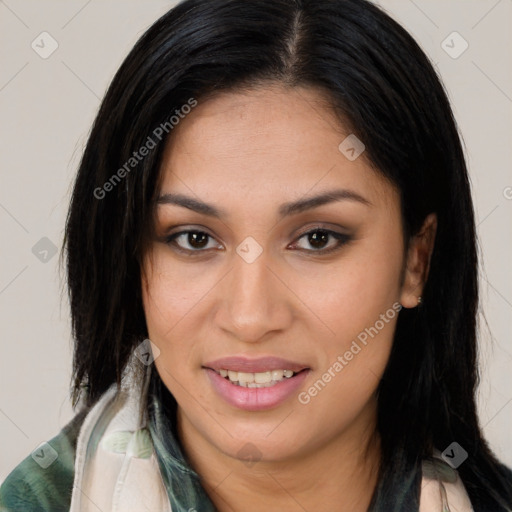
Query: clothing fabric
{"type": "Point", "coordinates": [123, 455]}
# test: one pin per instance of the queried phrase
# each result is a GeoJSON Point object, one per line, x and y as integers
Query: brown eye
{"type": "Point", "coordinates": [318, 239]}
{"type": "Point", "coordinates": [197, 241]}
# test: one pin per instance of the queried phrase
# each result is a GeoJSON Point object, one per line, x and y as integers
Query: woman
{"type": "Point", "coordinates": [273, 277]}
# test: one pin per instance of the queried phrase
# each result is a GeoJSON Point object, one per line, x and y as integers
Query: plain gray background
{"type": "Point", "coordinates": [47, 106]}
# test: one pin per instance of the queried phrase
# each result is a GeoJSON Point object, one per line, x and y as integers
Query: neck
{"type": "Point", "coordinates": [339, 475]}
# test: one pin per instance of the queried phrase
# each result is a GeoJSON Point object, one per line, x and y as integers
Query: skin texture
{"type": "Point", "coordinates": [248, 153]}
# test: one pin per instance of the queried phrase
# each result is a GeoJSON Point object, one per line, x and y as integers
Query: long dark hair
{"type": "Point", "coordinates": [385, 90]}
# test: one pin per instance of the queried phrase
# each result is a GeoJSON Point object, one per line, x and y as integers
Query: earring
{"type": "Point", "coordinates": [420, 300]}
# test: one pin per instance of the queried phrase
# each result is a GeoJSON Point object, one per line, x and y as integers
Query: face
{"type": "Point", "coordinates": [296, 300]}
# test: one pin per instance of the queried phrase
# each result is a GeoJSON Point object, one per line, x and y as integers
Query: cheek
{"type": "Point", "coordinates": [168, 297]}
{"type": "Point", "coordinates": [358, 301]}
{"type": "Point", "coordinates": [350, 294]}
{"type": "Point", "coordinates": [172, 292]}
{"type": "Point", "coordinates": [166, 301]}
{"type": "Point", "coordinates": [354, 359]}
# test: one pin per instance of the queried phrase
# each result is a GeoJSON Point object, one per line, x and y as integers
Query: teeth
{"type": "Point", "coordinates": [245, 377]}
{"type": "Point", "coordinates": [256, 380]}
{"type": "Point", "coordinates": [262, 378]}
{"type": "Point", "coordinates": [277, 374]}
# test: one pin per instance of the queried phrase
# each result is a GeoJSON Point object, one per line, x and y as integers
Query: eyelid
{"type": "Point", "coordinates": [319, 227]}
{"type": "Point", "coordinates": [341, 239]}
{"type": "Point", "coordinates": [169, 239]}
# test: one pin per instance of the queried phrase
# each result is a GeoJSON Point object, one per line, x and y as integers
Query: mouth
{"type": "Point", "coordinates": [257, 380]}
{"type": "Point", "coordinates": [255, 384]}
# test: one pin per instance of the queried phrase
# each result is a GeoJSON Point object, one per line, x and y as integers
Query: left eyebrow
{"type": "Point", "coordinates": [285, 209]}
{"type": "Point", "coordinates": [321, 199]}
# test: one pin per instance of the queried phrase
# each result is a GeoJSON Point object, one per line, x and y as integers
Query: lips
{"type": "Point", "coordinates": [255, 384]}
{"type": "Point", "coordinates": [260, 365]}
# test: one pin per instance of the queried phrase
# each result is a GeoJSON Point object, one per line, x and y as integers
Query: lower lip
{"type": "Point", "coordinates": [256, 399]}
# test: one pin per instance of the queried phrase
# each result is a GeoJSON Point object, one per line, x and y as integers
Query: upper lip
{"type": "Point", "coordinates": [258, 365]}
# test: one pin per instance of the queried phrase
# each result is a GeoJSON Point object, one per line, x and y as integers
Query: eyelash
{"type": "Point", "coordinates": [341, 239]}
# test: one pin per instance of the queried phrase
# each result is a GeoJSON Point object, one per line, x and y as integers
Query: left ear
{"type": "Point", "coordinates": [418, 262]}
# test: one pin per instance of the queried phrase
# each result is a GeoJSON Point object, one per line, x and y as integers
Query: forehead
{"type": "Point", "coordinates": [267, 142]}
{"type": "Point", "coordinates": [273, 118]}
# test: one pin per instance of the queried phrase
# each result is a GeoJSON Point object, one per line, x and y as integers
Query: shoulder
{"type": "Point", "coordinates": [442, 487]}
{"type": "Point", "coordinates": [43, 481]}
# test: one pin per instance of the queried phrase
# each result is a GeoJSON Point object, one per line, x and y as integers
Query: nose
{"type": "Point", "coordinates": [254, 300]}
